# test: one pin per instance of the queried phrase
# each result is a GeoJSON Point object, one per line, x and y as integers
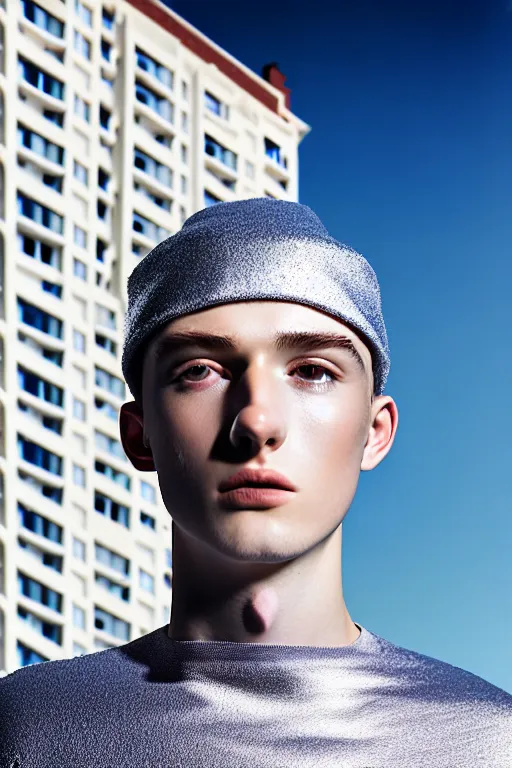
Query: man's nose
{"type": "Point", "coordinates": [260, 421]}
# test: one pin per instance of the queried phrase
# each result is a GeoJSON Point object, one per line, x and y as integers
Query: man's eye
{"type": "Point", "coordinates": [315, 370]}
{"type": "Point", "coordinates": [194, 373]}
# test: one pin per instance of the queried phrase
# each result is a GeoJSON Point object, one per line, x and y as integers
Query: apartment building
{"type": "Point", "coordinates": [118, 120]}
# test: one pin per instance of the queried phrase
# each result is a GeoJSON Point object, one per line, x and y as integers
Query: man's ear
{"type": "Point", "coordinates": [383, 426]}
{"type": "Point", "coordinates": [131, 425]}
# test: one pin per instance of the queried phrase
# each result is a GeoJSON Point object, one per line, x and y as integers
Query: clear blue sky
{"type": "Point", "coordinates": [409, 162]}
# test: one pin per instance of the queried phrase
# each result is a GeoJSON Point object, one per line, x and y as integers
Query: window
{"type": "Point", "coordinates": [117, 512]}
{"type": "Point", "coordinates": [36, 385]}
{"type": "Point", "coordinates": [78, 549]}
{"type": "Point", "coordinates": [146, 581]}
{"type": "Point", "coordinates": [27, 656]}
{"type": "Point", "coordinates": [210, 199]}
{"type": "Point", "coordinates": [79, 269]}
{"type": "Point", "coordinates": [79, 409]}
{"type": "Point", "coordinates": [40, 213]}
{"type": "Point", "coordinates": [46, 490]}
{"type": "Point", "coordinates": [168, 580]}
{"type": "Point", "coordinates": [42, 19]}
{"type": "Point", "coordinates": [107, 19]}
{"type": "Point", "coordinates": [105, 343]}
{"type": "Point", "coordinates": [54, 117]}
{"type": "Point", "coordinates": [273, 151]}
{"type": "Point", "coordinates": [212, 103]}
{"type": "Point", "coordinates": [105, 316]}
{"type": "Point", "coordinates": [54, 356]}
{"type": "Point", "coordinates": [39, 524]}
{"type": "Point", "coordinates": [106, 49]}
{"type": "Point", "coordinates": [109, 445]}
{"type": "Point", "coordinates": [184, 90]}
{"type": "Point", "coordinates": [101, 210]}
{"type": "Point", "coordinates": [78, 341]}
{"type": "Point", "coordinates": [78, 616]}
{"type": "Point", "coordinates": [103, 179]}
{"type": "Point", "coordinates": [39, 592]}
{"type": "Point", "coordinates": [184, 154]}
{"type": "Point", "coordinates": [101, 247]}
{"type": "Point", "coordinates": [38, 144]}
{"type": "Point", "coordinates": [47, 422]}
{"type": "Point", "coordinates": [41, 457]}
{"type": "Point", "coordinates": [82, 45]}
{"type": "Point", "coordinates": [40, 251]}
{"type": "Point", "coordinates": [152, 167]}
{"type": "Point", "coordinates": [78, 475]}
{"type": "Point", "coordinates": [82, 109]}
{"type": "Point", "coordinates": [150, 65]}
{"type": "Point", "coordinates": [84, 13]}
{"type": "Point", "coordinates": [159, 104]}
{"type": "Point", "coordinates": [79, 236]}
{"type": "Point", "coordinates": [183, 185]}
{"type": "Point", "coordinates": [112, 586]}
{"type": "Point", "coordinates": [168, 557]}
{"type": "Point", "coordinates": [105, 116]}
{"type": "Point", "coordinates": [111, 624]}
{"type": "Point", "coordinates": [80, 172]}
{"type": "Point", "coordinates": [184, 122]}
{"type": "Point", "coordinates": [46, 628]}
{"type": "Point", "coordinates": [149, 228]}
{"type": "Point", "coordinates": [108, 381]}
{"type": "Point", "coordinates": [148, 492]}
{"type": "Point", "coordinates": [111, 559]}
{"type": "Point", "coordinates": [48, 559]}
{"type": "Point", "coordinates": [40, 79]}
{"type": "Point", "coordinates": [54, 288]}
{"type": "Point", "coordinates": [108, 410]}
{"type": "Point", "coordinates": [114, 474]}
{"type": "Point", "coordinates": [36, 318]}
{"type": "Point", "coordinates": [162, 202]}
{"type": "Point", "coordinates": [183, 214]}
{"type": "Point", "coordinates": [147, 520]}
{"type": "Point", "coordinates": [214, 149]}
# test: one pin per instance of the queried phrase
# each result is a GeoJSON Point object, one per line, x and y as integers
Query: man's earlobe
{"type": "Point", "coordinates": [382, 432]}
{"type": "Point", "coordinates": [134, 441]}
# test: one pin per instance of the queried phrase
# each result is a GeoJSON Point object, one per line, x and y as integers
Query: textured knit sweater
{"type": "Point", "coordinates": [157, 702]}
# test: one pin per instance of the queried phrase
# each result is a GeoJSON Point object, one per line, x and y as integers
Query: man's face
{"type": "Point", "coordinates": [303, 411]}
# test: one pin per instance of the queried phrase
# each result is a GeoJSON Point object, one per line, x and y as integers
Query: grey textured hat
{"type": "Point", "coordinates": [251, 250]}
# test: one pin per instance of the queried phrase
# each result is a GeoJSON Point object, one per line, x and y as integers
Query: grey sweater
{"type": "Point", "coordinates": [157, 702]}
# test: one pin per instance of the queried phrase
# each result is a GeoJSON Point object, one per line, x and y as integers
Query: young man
{"type": "Point", "coordinates": [257, 356]}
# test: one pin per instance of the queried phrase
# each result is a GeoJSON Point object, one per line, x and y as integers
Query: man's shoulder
{"type": "Point", "coordinates": [441, 680]}
{"type": "Point", "coordinates": [63, 679]}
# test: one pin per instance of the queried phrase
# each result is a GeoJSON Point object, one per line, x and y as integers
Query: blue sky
{"type": "Point", "coordinates": [409, 162]}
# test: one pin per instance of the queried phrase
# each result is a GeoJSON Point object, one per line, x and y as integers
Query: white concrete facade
{"type": "Point", "coordinates": [114, 128]}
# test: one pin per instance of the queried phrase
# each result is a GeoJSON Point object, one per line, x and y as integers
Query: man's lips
{"type": "Point", "coordinates": [257, 478]}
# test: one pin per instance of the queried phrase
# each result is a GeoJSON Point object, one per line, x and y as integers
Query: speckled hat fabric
{"type": "Point", "coordinates": [251, 250]}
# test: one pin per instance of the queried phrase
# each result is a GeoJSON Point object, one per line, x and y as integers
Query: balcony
{"type": "Point", "coordinates": [42, 26]}
{"type": "Point", "coordinates": [39, 84]}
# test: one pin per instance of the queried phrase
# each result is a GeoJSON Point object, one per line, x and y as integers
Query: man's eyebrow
{"type": "Point", "coordinates": [285, 340]}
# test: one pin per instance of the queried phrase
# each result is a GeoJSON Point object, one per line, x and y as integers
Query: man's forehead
{"type": "Point", "coordinates": [259, 322]}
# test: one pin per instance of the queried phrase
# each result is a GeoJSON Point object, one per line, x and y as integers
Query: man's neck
{"type": "Point", "coordinates": [299, 602]}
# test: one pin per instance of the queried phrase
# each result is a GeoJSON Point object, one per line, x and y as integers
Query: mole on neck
{"type": "Point", "coordinates": [260, 611]}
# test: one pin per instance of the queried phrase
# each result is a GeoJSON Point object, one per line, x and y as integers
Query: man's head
{"type": "Point", "coordinates": [258, 382]}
